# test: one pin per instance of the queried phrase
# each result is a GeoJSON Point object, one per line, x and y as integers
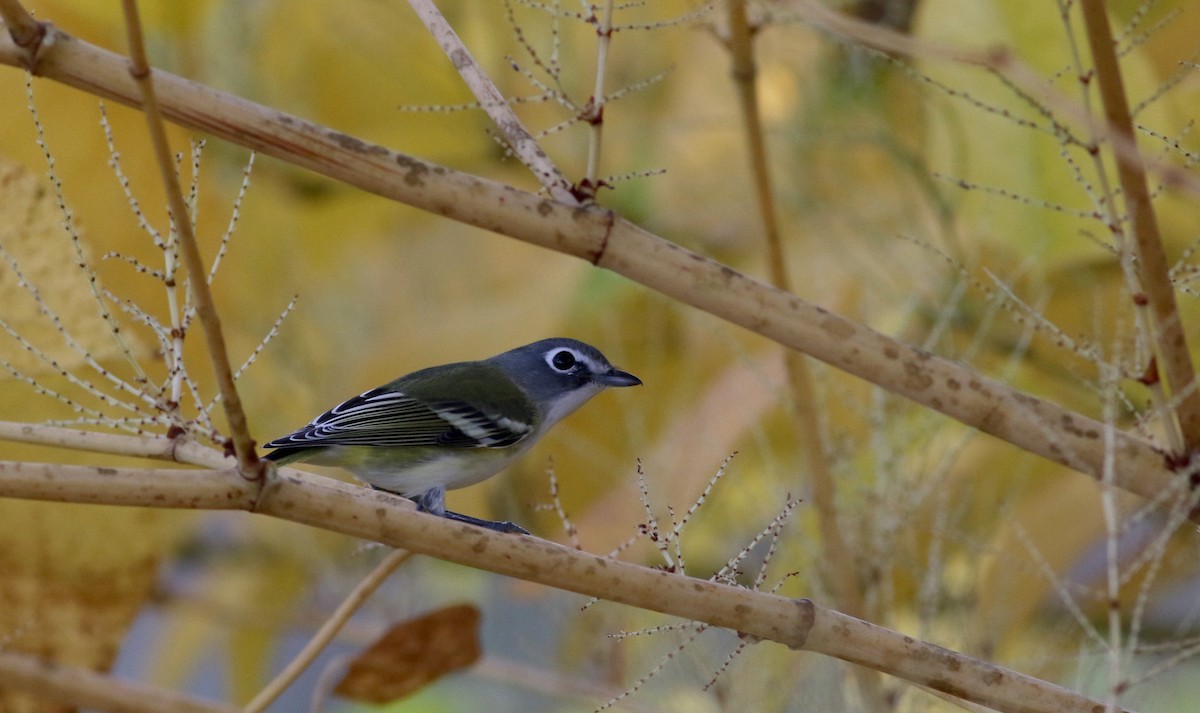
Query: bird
{"type": "Point", "coordinates": [454, 425]}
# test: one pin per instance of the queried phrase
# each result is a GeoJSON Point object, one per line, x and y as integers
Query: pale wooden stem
{"type": "Point", "coordinates": [373, 515]}
{"type": "Point", "coordinates": [25, 31]}
{"type": "Point", "coordinates": [239, 429]}
{"type": "Point", "coordinates": [328, 630]}
{"type": "Point", "coordinates": [595, 118]}
{"type": "Point", "coordinates": [492, 101]}
{"type": "Point", "coordinates": [157, 447]}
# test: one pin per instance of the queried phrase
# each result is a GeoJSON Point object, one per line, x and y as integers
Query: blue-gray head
{"type": "Point", "coordinates": [560, 374]}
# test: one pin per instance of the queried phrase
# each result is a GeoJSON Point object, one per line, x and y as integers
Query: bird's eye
{"type": "Point", "coordinates": [564, 361]}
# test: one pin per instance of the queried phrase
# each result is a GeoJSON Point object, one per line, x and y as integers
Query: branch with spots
{"type": "Point", "coordinates": [609, 241]}
{"type": "Point", "coordinates": [330, 504]}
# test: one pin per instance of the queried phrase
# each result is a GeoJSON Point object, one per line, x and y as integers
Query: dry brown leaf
{"type": "Point", "coordinates": [413, 654]}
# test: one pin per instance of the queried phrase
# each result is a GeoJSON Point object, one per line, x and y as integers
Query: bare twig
{"type": "Point", "coordinates": [841, 565]}
{"type": "Point", "coordinates": [998, 60]}
{"type": "Point", "coordinates": [141, 386]}
{"type": "Point", "coordinates": [595, 107]}
{"type": "Point", "coordinates": [1170, 339]}
{"type": "Point", "coordinates": [1108, 505]}
{"type": "Point", "coordinates": [361, 512]}
{"type": "Point", "coordinates": [25, 31]}
{"type": "Point", "coordinates": [239, 430]}
{"type": "Point", "coordinates": [556, 505]}
{"type": "Point", "coordinates": [328, 630]}
{"type": "Point", "coordinates": [492, 101]}
{"type": "Point", "coordinates": [158, 447]}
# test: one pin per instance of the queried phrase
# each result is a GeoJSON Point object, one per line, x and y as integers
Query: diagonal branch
{"type": "Point", "coordinates": [606, 240]}
{"type": "Point", "coordinates": [27, 33]}
{"type": "Point", "coordinates": [1170, 339]}
{"type": "Point", "coordinates": [493, 102]}
{"type": "Point", "coordinates": [374, 515]}
{"type": "Point", "coordinates": [329, 629]}
{"type": "Point", "coordinates": [140, 71]}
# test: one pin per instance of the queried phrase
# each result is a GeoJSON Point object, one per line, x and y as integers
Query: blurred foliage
{"type": "Point", "coordinates": [957, 538]}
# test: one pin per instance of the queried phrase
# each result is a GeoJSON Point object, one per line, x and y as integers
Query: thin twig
{"type": "Point", "coordinates": [841, 565]}
{"type": "Point", "coordinates": [1108, 505]}
{"type": "Point", "coordinates": [1171, 341]}
{"type": "Point", "coordinates": [239, 430]}
{"type": "Point", "coordinates": [492, 101]}
{"type": "Point", "coordinates": [328, 630]}
{"type": "Point", "coordinates": [998, 60]}
{"type": "Point", "coordinates": [595, 107]}
{"type": "Point", "coordinates": [81, 259]}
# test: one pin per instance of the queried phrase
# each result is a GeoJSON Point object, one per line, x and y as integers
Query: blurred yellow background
{"type": "Point", "coordinates": [953, 533]}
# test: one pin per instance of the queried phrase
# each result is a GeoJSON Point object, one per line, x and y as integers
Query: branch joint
{"type": "Point", "coordinates": [610, 219]}
{"type": "Point", "coordinates": [808, 617]}
{"type": "Point", "coordinates": [34, 39]}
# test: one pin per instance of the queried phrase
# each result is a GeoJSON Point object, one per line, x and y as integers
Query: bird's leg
{"type": "Point", "coordinates": [433, 501]}
{"type": "Point", "coordinates": [503, 526]}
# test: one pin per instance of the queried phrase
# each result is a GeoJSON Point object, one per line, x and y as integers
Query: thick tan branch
{"type": "Point", "coordinates": [373, 515]}
{"type": "Point", "coordinates": [613, 243]}
{"type": "Point", "coordinates": [180, 488]}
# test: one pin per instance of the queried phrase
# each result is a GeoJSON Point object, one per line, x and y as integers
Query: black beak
{"type": "Point", "coordinates": [616, 377]}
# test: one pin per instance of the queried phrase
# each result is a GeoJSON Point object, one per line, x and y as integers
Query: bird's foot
{"type": "Point", "coordinates": [503, 526]}
{"type": "Point", "coordinates": [433, 501]}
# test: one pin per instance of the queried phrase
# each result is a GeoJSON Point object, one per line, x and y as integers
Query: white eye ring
{"type": "Point", "coordinates": [565, 360]}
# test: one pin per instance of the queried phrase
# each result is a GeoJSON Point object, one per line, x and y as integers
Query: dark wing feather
{"type": "Point", "coordinates": [385, 417]}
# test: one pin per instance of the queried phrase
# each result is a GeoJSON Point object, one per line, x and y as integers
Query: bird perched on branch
{"type": "Point", "coordinates": [454, 425]}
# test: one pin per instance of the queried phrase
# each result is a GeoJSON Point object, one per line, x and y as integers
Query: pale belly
{"type": "Point", "coordinates": [413, 471]}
